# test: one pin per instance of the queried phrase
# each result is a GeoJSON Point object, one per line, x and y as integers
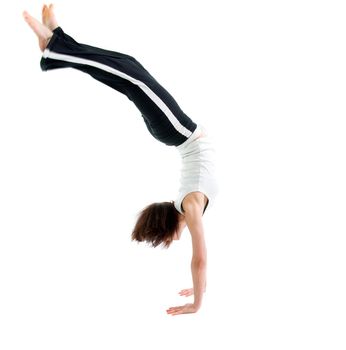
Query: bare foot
{"type": "Point", "coordinates": [42, 32]}
{"type": "Point", "coordinates": [48, 17]}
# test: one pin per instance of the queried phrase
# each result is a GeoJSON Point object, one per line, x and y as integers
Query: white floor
{"type": "Point", "coordinates": [267, 79]}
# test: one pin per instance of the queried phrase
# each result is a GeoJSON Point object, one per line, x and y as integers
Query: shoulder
{"type": "Point", "coordinates": [194, 203]}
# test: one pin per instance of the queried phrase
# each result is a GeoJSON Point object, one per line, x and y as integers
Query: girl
{"type": "Point", "coordinates": [158, 223]}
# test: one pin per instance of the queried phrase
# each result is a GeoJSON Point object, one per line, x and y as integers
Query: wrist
{"type": "Point", "coordinates": [197, 305]}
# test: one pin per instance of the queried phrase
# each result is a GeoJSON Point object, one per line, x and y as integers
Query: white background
{"type": "Point", "coordinates": [267, 79]}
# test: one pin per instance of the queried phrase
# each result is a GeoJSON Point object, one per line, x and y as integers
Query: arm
{"type": "Point", "coordinates": [193, 216]}
{"type": "Point", "coordinates": [199, 255]}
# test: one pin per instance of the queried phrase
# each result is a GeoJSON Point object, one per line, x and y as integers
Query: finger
{"type": "Point", "coordinates": [173, 313]}
{"type": "Point", "coordinates": [174, 309]}
{"type": "Point", "coordinates": [184, 291]}
{"type": "Point", "coordinates": [189, 292]}
{"type": "Point", "coordinates": [178, 312]}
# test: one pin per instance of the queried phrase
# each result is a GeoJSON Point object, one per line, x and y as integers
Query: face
{"type": "Point", "coordinates": [182, 225]}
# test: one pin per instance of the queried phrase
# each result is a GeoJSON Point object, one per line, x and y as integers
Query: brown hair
{"type": "Point", "coordinates": [156, 224]}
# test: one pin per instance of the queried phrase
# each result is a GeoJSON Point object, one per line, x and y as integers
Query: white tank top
{"type": "Point", "coordinates": [198, 168]}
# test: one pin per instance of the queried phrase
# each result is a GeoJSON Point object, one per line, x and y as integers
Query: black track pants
{"type": "Point", "coordinates": [161, 113]}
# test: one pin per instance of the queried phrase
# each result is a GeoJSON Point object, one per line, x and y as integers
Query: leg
{"type": "Point", "coordinates": [83, 57]}
{"type": "Point", "coordinates": [161, 113]}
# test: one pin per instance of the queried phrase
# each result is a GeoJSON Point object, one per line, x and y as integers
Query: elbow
{"type": "Point", "coordinates": [199, 263]}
